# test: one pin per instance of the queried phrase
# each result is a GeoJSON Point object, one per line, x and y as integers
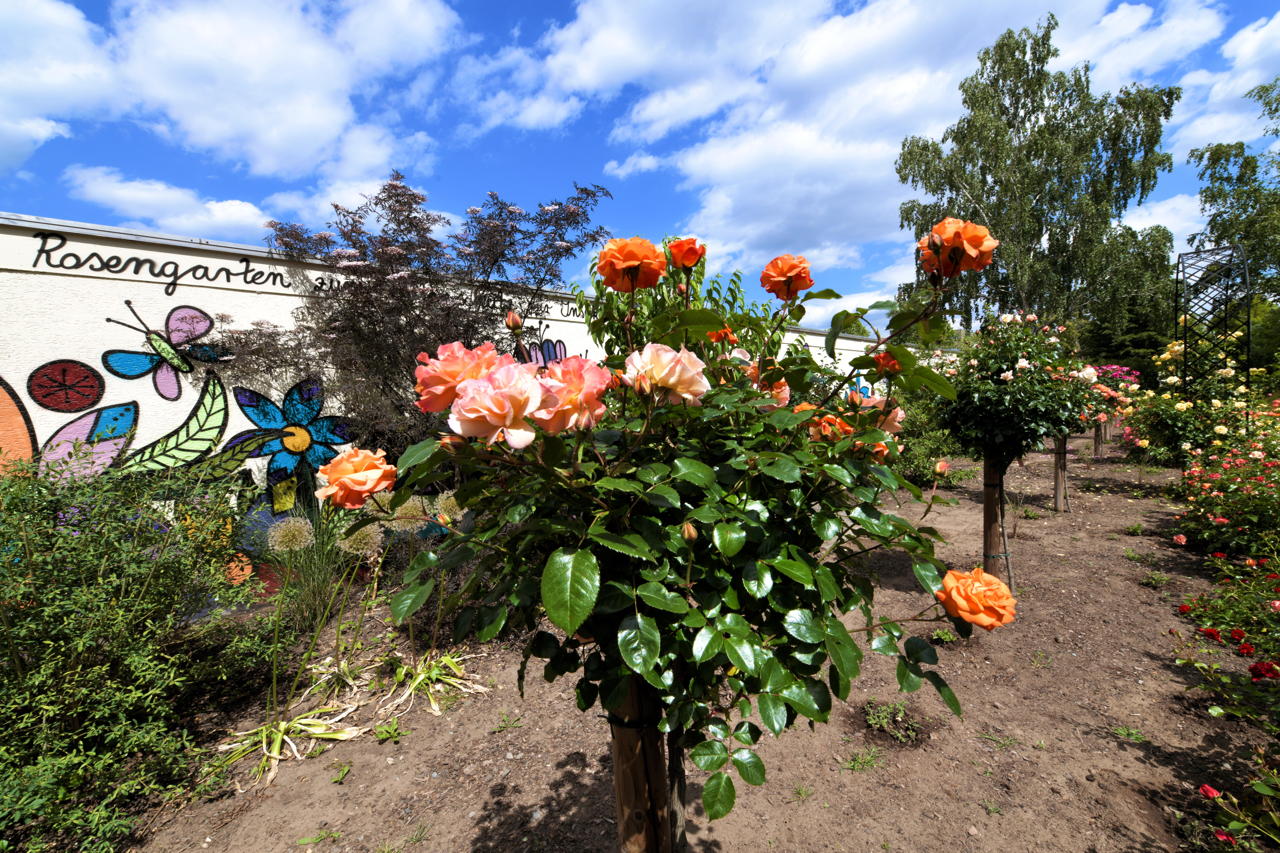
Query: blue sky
{"type": "Point", "coordinates": [761, 126]}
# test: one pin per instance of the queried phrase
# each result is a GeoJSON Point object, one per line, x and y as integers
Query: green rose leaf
{"type": "Point", "coordinates": [773, 712]}
{"type": "Point", "coordinates": [706, 644]}
{"type": "Point", "coordinates": [750, 767]}
{"type": "Point", "coordinates": [718, 795]}
{"type": "Point", "coordinates": [802, 625]}
{"type": "Point", "coordinates": [694, 471]}
{"type": "Point", "coordinates": [884, 644]}
{"type": "Point", "coordinates": [631, 544]}
{"type": "Point", "coordinates": [416, 453]}
{"type": "Point", "coordinates": [742, 653]}
{"type": "Point", "coordinates": [908, 676]}
{"type": "Point", "coordinates": [570, 584]}
{"type": "Point", "coordinates": [709, 755]}
{"type": "Point", "coordinates": [657, 595]}
{"type": "Point", "coordinates": [728, 538]}
{"type": "Point", "coordinates": [757, 580]}
{"type": "Point", "coordinates": [780, 467]}
{"type": "Point", "coordinates": [747, 732]}
{"type": "Point", "coordinates": [638, 641]}
{"type": "Point", "coordinates": [797, 571]}
{"type": "Point", "coordinates": [920, 651]}
{"type": "Point", "coordinates": [948, 695]}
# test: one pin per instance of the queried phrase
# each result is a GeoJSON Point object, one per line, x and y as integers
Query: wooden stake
{"type": "Point", "coordinates": [1097, 440]}
{"type": "Point", "coordinates": [650, 800]}
{"type": "Point", "coordinates": [1060, 501]}
{"type": "Point", "coordinates": [992, 489]}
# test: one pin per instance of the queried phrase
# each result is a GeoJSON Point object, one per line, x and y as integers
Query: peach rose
{"type": "Point", "coordinates": [780, 391]}
{"type": "Point", "coordinates": [495, 408]}
{"type": "Point", "coordinates": [786, 275]}
{"type": "Point", "coordinates": [954, 246]}
{"type": "Point", "coordinates": [631, 264]}
{"type": "Point", "coordinates": [354, 475]}
{"type": "Point", "coordinates": [659, 366]}
{"type": "Point", "coordinates": [978, 598]}
{"type": "Point", "coordinates": [686, 253]}
{"type": "Point", "coordinates": [438, 378]}
{"type": "Point", "coordinates": [574, 386]}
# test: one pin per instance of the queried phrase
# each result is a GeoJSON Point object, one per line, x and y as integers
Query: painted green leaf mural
{"type": "Point", "coordinates": [199, 434]}
{"type": "Point", "coordinates": [228, 460]}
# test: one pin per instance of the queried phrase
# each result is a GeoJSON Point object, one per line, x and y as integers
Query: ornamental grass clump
{"type": "Point", "coordinates": [692, 535]}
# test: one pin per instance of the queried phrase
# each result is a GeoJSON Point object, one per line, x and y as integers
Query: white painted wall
{"type": "Point", "coordinates": [60, 281]}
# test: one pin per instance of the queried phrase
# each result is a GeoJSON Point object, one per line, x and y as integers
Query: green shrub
{"type": "Point", "coordinates": [925, 443]}
{"type": "Point", "coordinates": [101, 581]}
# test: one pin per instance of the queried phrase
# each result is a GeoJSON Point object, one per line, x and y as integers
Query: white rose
{"type": "Point", "coordinates": [1007, 376]}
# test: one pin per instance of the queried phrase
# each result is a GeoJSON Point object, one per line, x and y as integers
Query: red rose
{"type": "Point", "coordinates": [1237, 635]}
{"type": "Point", "coordinates": [1246, 649]}
{"type": "Point", "coordinates": [1210, 792]}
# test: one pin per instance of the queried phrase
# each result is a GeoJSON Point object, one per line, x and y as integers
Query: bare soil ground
{"type": "Point", "coordinates": [1078, 732]}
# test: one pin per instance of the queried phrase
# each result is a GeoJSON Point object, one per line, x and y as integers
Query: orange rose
{"type": "Point", "coordinates": [686, 253]}
{"type": "Point", "coordinates": [573, 387]}
{"type": "Point", "coordinates": [978, 598]}
{"type": "Point", "coordinates": [631, 264]}
{"type": "Point", "coordinates": [721, 335]}
{"type": "Point", "coordinates": [354, 475]}
{"type": "Point", "coordinates": [954, 246]}
{"type": "Point", "coordinates": [786, 275]}
{"type": "Point", "coordinates": [886, 363]}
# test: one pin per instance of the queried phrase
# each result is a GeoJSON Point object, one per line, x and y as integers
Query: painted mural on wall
{"type": "Point", "coordinates": [171, 351]}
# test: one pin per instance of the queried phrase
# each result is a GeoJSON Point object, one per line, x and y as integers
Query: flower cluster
{"type": "Point", "coordinates": [1233, 494]}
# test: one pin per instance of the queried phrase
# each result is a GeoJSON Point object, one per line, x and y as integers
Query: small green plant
{"type": "Point", "coordinates": [389, 731]}
{"type": "Point", "coordinates": [320, 837]}
{"type": "Point", "coordinates": [942, 636]}
{"type": "Point", "coordinates": [865, 759]}
{"type": "Point", "coordinates": [341, 775]}
{"type": "Point", "coordinates": [1030, 513]}
{"type": "Point", "coordinates": [892, 718]}
{"type": "Point", "coordinates": [1134, 556]}
{"type": "Point", "coordinates": [999, 741]}
{"type": "Point", "coordinates": [506, 722]}
{"type": "Point", "coordinates": [1041, 659]}
{"type": "Point", "coordinates": [800, 793]}
{"type": "Point", "coordinates": [1134, 529]}
{"type": "Point", "coordinates": [1155, 580]}
{"type": "Point", "coordinates": [418, 835]}
{"type": "Point", "coordinates": [991, 807]}
{"type": "Point", "coordinates": [1129, 733]}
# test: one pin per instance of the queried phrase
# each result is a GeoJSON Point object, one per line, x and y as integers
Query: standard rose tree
{"type": "Point", "coordinates": [692, 537]}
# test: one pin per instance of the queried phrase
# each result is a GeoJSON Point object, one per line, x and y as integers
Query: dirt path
{"type": "Point", "coordinates": [1078, 733]}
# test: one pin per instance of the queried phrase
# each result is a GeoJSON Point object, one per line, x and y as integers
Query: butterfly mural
{"type": "Point", "coordinates": [172, 351]}
{"type": "Point", "coordinates": [541, 354]}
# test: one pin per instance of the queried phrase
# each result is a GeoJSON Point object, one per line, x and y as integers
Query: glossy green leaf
{"type": "Point", "coordinates": [826, 526]}
{"type": "Point", "coordinates": [570, 584]}
{"type": "Point", "coordinates": [948, 695]}
{"type": "Point", "coordinates": [657, 595]}
{"type": "Point", "coordinates": [773, 712]}
{"type": "Point", "coordinates": [639, 642]}
{"type": "Point", "coordinates": [839, 474]}
{"type": "Point", "coordinates": [729, 538]}
{"type": "Point", "coordinates": [492, 621]}
{"type": "Point", "coordinates": [618, 484]}
{"type": "Point", "coordinates": [706, 644]}
{"type": "Point", "coordinates": [416, 453]}
{"type": "Point", "coordinates": [694, 471]}
{"type": "Point", "coordinates": [709, 755]}
{"type": "Point", "coordinates": [919, 650]}
{"type": "Point", "coordinates": [884, 644]}
{"type": "Point", "coordinates": [927, 575]}
{"type": "Point", "coordinates": [750, 767]}
{"type": "Point", "coordinates": [802, 625]}
{"type": "Point", "coordinates": [795, 570]}
{"type": "Point", "coordinates": [662, 495]}
{"type": "Point", "coordinates": [742, 653]}
{"type": "Point", "coordinates": [631, 544]}
{"type": "Point", "coordinates": [718, 795]}
{"type": "Point", "coordinates": [908, 676]}
{"type": "Point", "coordinates": [747, 732]}
{"type": "Point", "coordinates": [809, 697]}
{"type": "Point", "coordinates": [757, 580]}
{"type": "Point", "coordinates": [782, 468]}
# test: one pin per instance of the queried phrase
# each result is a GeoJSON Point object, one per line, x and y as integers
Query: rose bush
{"type": "Point", "coordinates": [695, 542]}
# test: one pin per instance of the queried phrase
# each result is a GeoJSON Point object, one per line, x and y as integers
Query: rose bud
{"type": "Point", "coordinates": [513, 321]}
{"type": "Point", "coordinates": [688, 532]}
{"type": "Point", "coordinates": [941, 468]}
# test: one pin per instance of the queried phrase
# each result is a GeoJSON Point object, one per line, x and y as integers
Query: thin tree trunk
{"type": "Point", "coordinates": [1060, 500]}
{"type": "Point", "coordinates": [1097, 440]}
{"type": "Point", "coordinates": [992, 490]}
{"type": "Point", "coordinates": [650, 795]}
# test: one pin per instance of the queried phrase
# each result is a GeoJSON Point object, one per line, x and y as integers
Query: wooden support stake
{"type": "Point", "coordinates": [992, 490]}
{"type": "Point", "coordinates": [1097, 441]}
{"type": "Point", "coordinates": [650, 801]}
{"type": "Point", "coordinates": [1060, 501]}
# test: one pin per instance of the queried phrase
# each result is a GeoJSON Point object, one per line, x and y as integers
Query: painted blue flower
{"type": "Point", "coordinates": [304, 440]}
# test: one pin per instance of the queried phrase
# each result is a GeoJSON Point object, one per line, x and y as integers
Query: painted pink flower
{"type": "Point", "coordinates": [658, 366]}
{"type": "Point", "coordinates": [574, 386]}
{"type": "Point", "coordinates": [438, 378]}
{"type": "Point", "coordinates": [495, 408]}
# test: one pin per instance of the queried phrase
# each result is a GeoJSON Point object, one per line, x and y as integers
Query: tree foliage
{"type": "Point", "coordinates": [1241, 196]}
{"type": "Point", "coordinates": [402, 284]}
{"type": "Point", "coordinates": [1046, 164]}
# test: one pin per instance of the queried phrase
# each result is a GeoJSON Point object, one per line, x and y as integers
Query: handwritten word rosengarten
{"type": "Point", "coordinates": [170, 272]}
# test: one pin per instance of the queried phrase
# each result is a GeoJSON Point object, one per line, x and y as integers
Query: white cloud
{"type": "Point", "coordinates": [633, 165]}
{"type": "Point", "coordinates": [52, 68]}
{"type": "Point", "coordinates": [1179, 213]}
{"type": "Point", "coordinates": [163, 206]}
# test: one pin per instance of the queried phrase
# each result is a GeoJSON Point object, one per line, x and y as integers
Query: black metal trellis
{"type": "Point", "coordinates": [1212, 312]}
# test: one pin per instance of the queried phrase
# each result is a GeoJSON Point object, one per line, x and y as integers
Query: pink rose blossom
{"type": "Point", "coordinates": [575, 385]}
{"type": "Point", "coordinates": [1179, 539]}
{"type": "Point", "coordinates": [438, 378]}
{"type": "Point", "coordinates": [495, 408]}
{"type": "Point", "coordinates": [658, 366]}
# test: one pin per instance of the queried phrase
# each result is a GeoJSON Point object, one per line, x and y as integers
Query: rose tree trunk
{"type": "Point", "coordinates": [648, 781]}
